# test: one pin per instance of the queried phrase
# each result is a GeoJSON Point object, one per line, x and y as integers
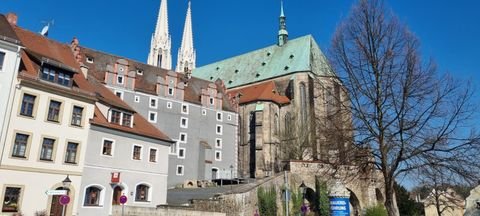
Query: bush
{"type": "Point", "coordinates": [267, 201]}
{"type": "Point", "coordinates": [378, 210]}
{"type": "Point", "coordinates": [322, 201]}
{"type": "Point", "coordinates": [297, 200]}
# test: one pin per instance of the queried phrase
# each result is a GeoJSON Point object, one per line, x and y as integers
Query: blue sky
{"type": "Point", "coordinates": [448, 30]}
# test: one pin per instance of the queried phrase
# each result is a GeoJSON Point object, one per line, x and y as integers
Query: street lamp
{"type": "Point", "coordinates": [303, 188]}
{"type": "Point", "coordinates": [66, 182]}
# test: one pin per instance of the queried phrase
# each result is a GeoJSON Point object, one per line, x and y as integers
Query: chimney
{"type": "Point", "coordinates": [12, 19]}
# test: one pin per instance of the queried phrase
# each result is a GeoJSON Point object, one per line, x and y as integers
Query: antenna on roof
{"type": "Point", "coordinates": [45, 29]}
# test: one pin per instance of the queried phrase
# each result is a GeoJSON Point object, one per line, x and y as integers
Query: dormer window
{"type": "Point", "coordinates": [127, 119]}
{"type": "Point", "coordinates": [121, 118]}
{"type": "Point", "coordinates": [115, 117]}
{"type": "Point", "coordinates": [139, 72]}
{"type": "Point", "coordinates": [57, 76]}
{"type": "Point", "coordinates": [90, 59]}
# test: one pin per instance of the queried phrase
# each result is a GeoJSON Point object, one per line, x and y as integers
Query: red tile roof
{"type": "Point", "coordinates": [6, 31]}
{"type": "Point", "coordinates": [148, 81]}
{"type": "Point", "coordinates": [266, 91]}
{"type": "Point", "coordinates": [140, 127]}
{"type": "Point", "coordinates": [38, 47]}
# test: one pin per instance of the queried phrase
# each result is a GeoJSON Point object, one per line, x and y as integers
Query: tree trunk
{"type": "Point", "coordinates": [390, 201]}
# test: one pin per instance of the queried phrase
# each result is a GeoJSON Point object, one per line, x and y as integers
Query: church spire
{"type": "Point", "coordinates": [282, 33]}
{"type": "Point", "coordinates": [186, 53]}
{"type": "Point", "coordinates": [160, 48]}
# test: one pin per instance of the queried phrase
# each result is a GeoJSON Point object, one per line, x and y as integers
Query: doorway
{"type": "Point", "coordinates": [117, 193]}
{"type": "Point", "coordinates": [214, 173]}
{"type": "Point", "coordinates": [55, 207]}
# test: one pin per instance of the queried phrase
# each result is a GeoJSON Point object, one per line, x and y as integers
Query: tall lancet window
{"type": "Point", "coordinates": [159, 60]}
{"type": "Point", "coordinates": [276, 125]}
{"type": "Point", "coordinates": [303, 102]}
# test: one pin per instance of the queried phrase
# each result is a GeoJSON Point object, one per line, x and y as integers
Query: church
{"type": "Point", "coordinates": [292, 106]}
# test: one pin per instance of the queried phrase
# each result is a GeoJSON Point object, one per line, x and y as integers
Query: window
{"type": "Point", "coordinates": [153, 103]}
{"type": "Point", "coordinates": [54, 111]}
{"type": "Point", "coordinates": [2, 59]}
{"type": "Point", "coordinates": [152, 117]}
{"type": "Point", "coordinates": [137, 99]}
{"type": "Point", "coordinates": [48, 74]}
{"type": "Point", "coordinates": [180, 170]}
{"type": "Point", "coordinates": [169, 105]}
{"type": "Point", "coordinates": [218, 143]}
{"type": "Point", "coordinates": [219, 116]}
{"type": "Point", "coordinates": [183, 122]}
{"type": "Point", "coordinates": [119, 94]}
{"type": "Point", "coordinates": [276, 125]}
{"type": "Point", "coordinates": [47, 149]}
{"type": "Point", "coordinates": [120, 79]}
{"type": "Point", "coordinates": [183, 137]}
{"type": "Point", "coordinates": [28, 103]}
{"type": "Point", "coordinates": [90, 59]}
{"type": "Point", "coordinates": [184, 108]}
{"type": "Point", "coordinates": [107, 147]}
{"type": "Point", "coordinates": [20, 145]}
{"type": "Point", "coordinates": [77, 114]}
{"type": "Point", "coordinates": [71, 154]}
{"type": "Point", "coordinates": [218, 155]}
{"type": "Point", "coordinates": [141, 193]}
{"type": "Point", "coordinates": [137, 152]}
{"type": "Point", "coordinates": [92, 196]}
{"type": "Point", "coordinates": [211, 101]}
{"type": "Point", "coordinates": [115, 117]}
{"type": "Point", "coordinates": [229, 117]}
{"type": "Point", "coordinates": [219, 129]}
{"type": "Point", "coordinates": [181, 153]}
{"type": "Point", "coordinates": [170, 91]}
{"type": "Point", "coordinates": [127, 119]}
{"type": "Point", "coordinates": [153, 155]}
{"type": "Point", "coordinates": [57, 76]}
{"type": "Point", "coordinates": [173, 148]}
{"type": "Point", "coordinates": [11, 199]}
{"type": "Point", "coordinates": [303, 102]}
{"type": "Point", "coordinates": [204, 112]}
{"type": "Point", "coordinates": [139, 72]}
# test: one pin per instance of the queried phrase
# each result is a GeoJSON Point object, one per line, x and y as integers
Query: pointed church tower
{"type": "Point", "coordinates": [160, 49]}
{"type": "Point", "coordinates": [282, 33]}
{"type": "Point", "coordinates": [186, 53]}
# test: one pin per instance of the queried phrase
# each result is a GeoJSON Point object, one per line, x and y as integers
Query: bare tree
{"type": "Point", "coordinates": [442, 195]}
{"type": "Point", "coordinates": [295, 139]}
{"type": "Point", "coordinates": [406, 114]}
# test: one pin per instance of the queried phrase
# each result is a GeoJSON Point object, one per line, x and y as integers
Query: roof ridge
{"type": "Point", "coordinates": [249, 52]}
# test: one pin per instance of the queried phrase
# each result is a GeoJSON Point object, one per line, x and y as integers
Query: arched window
{"type": "Point", "coordinates": [142, 192]}
{"type": "Point", "coordinates": [303, 102]}
{"type": "Point", "coordinates": [92, 196]}
{"type": "Point", "coordinates": [288, 124]}
{"type": "Point", "coordinates": [275, 125]}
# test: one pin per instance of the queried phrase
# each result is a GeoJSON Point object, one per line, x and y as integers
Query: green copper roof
{"type": "Point", "coordinates": [298, 55]}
